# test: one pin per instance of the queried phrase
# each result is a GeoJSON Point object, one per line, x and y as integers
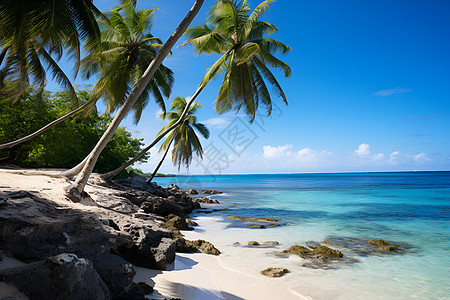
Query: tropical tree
{"type": "Point", "coordinates": [127, 49]}
{"type": "Point", "coordinates": [87, 165]}
{"type": "Point", "coordinates": [183, 137]}
{"type": "Point", "coordinates": [33, 37]}
{"type": "Point", "coordinates": [239, 37]}
{"type": "Point", "coordinates": [35, 34]}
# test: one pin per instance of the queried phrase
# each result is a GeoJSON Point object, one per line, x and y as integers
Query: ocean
{"type": "Point", "coordinates": [406, 208]}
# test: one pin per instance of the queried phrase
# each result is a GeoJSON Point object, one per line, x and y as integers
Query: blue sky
{"type": "Point", "coordinates": [369, 90]}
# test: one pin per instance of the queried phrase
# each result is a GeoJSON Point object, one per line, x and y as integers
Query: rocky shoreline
{"type": "Point", "coordinates": [88, 250]}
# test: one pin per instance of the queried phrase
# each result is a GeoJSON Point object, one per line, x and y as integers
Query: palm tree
{"type": "Point", "coordinates": [185, 140]}
{"type": "Point", "coordinates": [247, 52]}
{"type": "Point", "coordinates": [239, 37]}
{"type": "Point", "coordinates": [34, 34]}
{"type": "Point", "coordinates": [87, 165]}
{"type": "Point", "coordinates": [127, 49]}
{"type": "Point", "coordinates": [33, 38]}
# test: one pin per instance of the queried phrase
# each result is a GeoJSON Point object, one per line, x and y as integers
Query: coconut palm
{"type": "Point", "coordinates": [183, 137]}
{"type": "Point", "coordinates": [127, 49]}
{"type": "Point", "coordinates": [35, 35]}
{"type": "Point", "coordinates": [33, 38]}
{"type": "Point", "coordinates": [239, 37]}
{"type": "Point", "coordinates": [84, 169]}
{"type": "Point", "coordinates": [246, 51]}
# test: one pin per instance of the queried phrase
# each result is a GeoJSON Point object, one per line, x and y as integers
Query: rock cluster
{"type": "Point", "coordinates": [321, 254]}
{"type": "Point", "coordinates": [89, 253]}
{"type": "Point", "coordinates": [205, 200]}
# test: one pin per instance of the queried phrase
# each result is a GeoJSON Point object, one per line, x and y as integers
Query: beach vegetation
{"type": "Point", "coordinates": [70, 142]}
{"type": "Point", "coordinates": [183, 137]}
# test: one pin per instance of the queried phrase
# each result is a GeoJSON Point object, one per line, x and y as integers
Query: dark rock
{"type": "Point", "coordinates": [150, 250]}
{"type": "Point", "coordinates": [274, 272]}
{"type": "Point", "coordinates": [176, 222]}
{"type": "Point", "coordinates": [64, 276]}
{"type": "Point", "coordinates": [205, 200]}
{"type": "Point", "coordinates": [116, 272]}
{"type": "Point", "coordinates": [301, 251]}
{"type": "Point", "coordinates": [162, 207]}
{"type": "Point", "coordinates": [256, 226]}
{"type": "Point", "coordinates": [192, 192]}
{"type": "Point", "coordinates": [321, 254]}
{"type": "Point", "coordinates": [379, 242]}
{"type": "Point", "coordinates": [253, 243]}
{"type": "Point", "coordinates": [145, 288]}
{"type": "Point", "coordinates": [313, 245]}
{"type": "Point", "coordinates": [206, 247]}
{"type": "Point", "coordinates": [191, 223]}
{"type": "Point", "coordinates": [186, 246]}
{"type": "Point", "coordinates": [252, 219]}
{"type": "Point", "coordinates": [204, 211]}
{"type": "Point", "coordinates": [211, 192]}
{"type": "Point", "coordinates": [365, 247]}
{"type": "Point", "coordinates": [132, 292]}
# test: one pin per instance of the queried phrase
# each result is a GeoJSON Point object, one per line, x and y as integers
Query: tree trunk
{"type": "Point", "coordinates": [149, 180]}
{"type": "Point", "coordinates": [155, 141]}
{"type": "Point", "coordinates": [88, 167]}
{"type": "Point", "coordinates": [38, 132]}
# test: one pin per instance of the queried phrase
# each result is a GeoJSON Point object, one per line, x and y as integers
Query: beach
{"type": "Point", "coordinates": [410, 211]}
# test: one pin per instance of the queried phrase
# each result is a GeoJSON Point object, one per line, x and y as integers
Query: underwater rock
{"type": "Point", "coordinates": [252, 219]}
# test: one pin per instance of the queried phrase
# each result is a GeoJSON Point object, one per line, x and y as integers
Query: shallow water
{"type": "Point", "coordinates": [404, 207]}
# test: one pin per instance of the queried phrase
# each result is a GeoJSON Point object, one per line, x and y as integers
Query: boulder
{"type": "Point", "coordinates": [186, 246]}
{"type": "Point", "coordinates": [274, 272]}
{"type": "Point", "coordinates": [175, 222]}
{"type": "Point", "coordinates": [64, 276]}
{"type": "Point", "coordinates": [192, 192]}
{"type": "Point", "coordinates": [379, 242]}
{"type": "Point", "coordinates": [211, 192]}
{"type": "Point", "coordinates": [116, 272]}
{"type": "Point", "coordinates": [256, 226]}
{"type": "Point", "coordinates": [191, 222]}
{"type": "Point", "coordinates": [205, 200]}
{"type": "Point", "coordinates": [253, 243]}
{"type": "Point", "coordinates": [321, 254]}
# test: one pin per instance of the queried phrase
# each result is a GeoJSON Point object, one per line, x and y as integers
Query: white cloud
{"type": "Point", "coordinates": [216, 123]}
{"type": "Point", "coordinates": [363, 149]}
{"type": "Point", "coordinates": [276, 152]}
{"type": "Point", "coordinates": [394, 91]}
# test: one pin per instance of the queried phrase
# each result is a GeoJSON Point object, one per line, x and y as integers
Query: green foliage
{"type": "Point", "coordinates": [240, 38]}
{"type": "Point", "coordinates": [66, 144]}
{"type": "Point", "coordinates": [128, 48]}
{"type": "Point", "coordinates": [184, 137]}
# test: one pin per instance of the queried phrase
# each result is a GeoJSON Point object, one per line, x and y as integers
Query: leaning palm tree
{"type": "Point", "coordinates": [35, 34]}
{"type": "Point", "coordinates": [245, 53]}
{"type": "Point", "coordinates": [183, 137]}
{"type": "Point", "coordinates": [239, 37]}
{"type": "Point", "coordinates": [33, 37]}
{"type": "Point", "coordinates": [127, 49]}
{"type": "Point", "coordinates": [84, 169]}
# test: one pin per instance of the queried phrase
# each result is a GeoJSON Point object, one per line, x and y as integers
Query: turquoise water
{"type": "Point", "coordinates": [404, 207]}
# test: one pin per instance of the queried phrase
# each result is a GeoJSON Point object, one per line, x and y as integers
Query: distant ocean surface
{"type": "Point", "coordinates": [404, 207]}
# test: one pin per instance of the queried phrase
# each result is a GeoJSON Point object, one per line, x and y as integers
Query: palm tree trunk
{"type": "Point", "coordinates": [83, 176]}
{"type": "Point", "coordinates": [149, 180]}
{"type": "Point", "coordinates": [46, 127]}
{"type": "Point", "coordinates": [155, 141]}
